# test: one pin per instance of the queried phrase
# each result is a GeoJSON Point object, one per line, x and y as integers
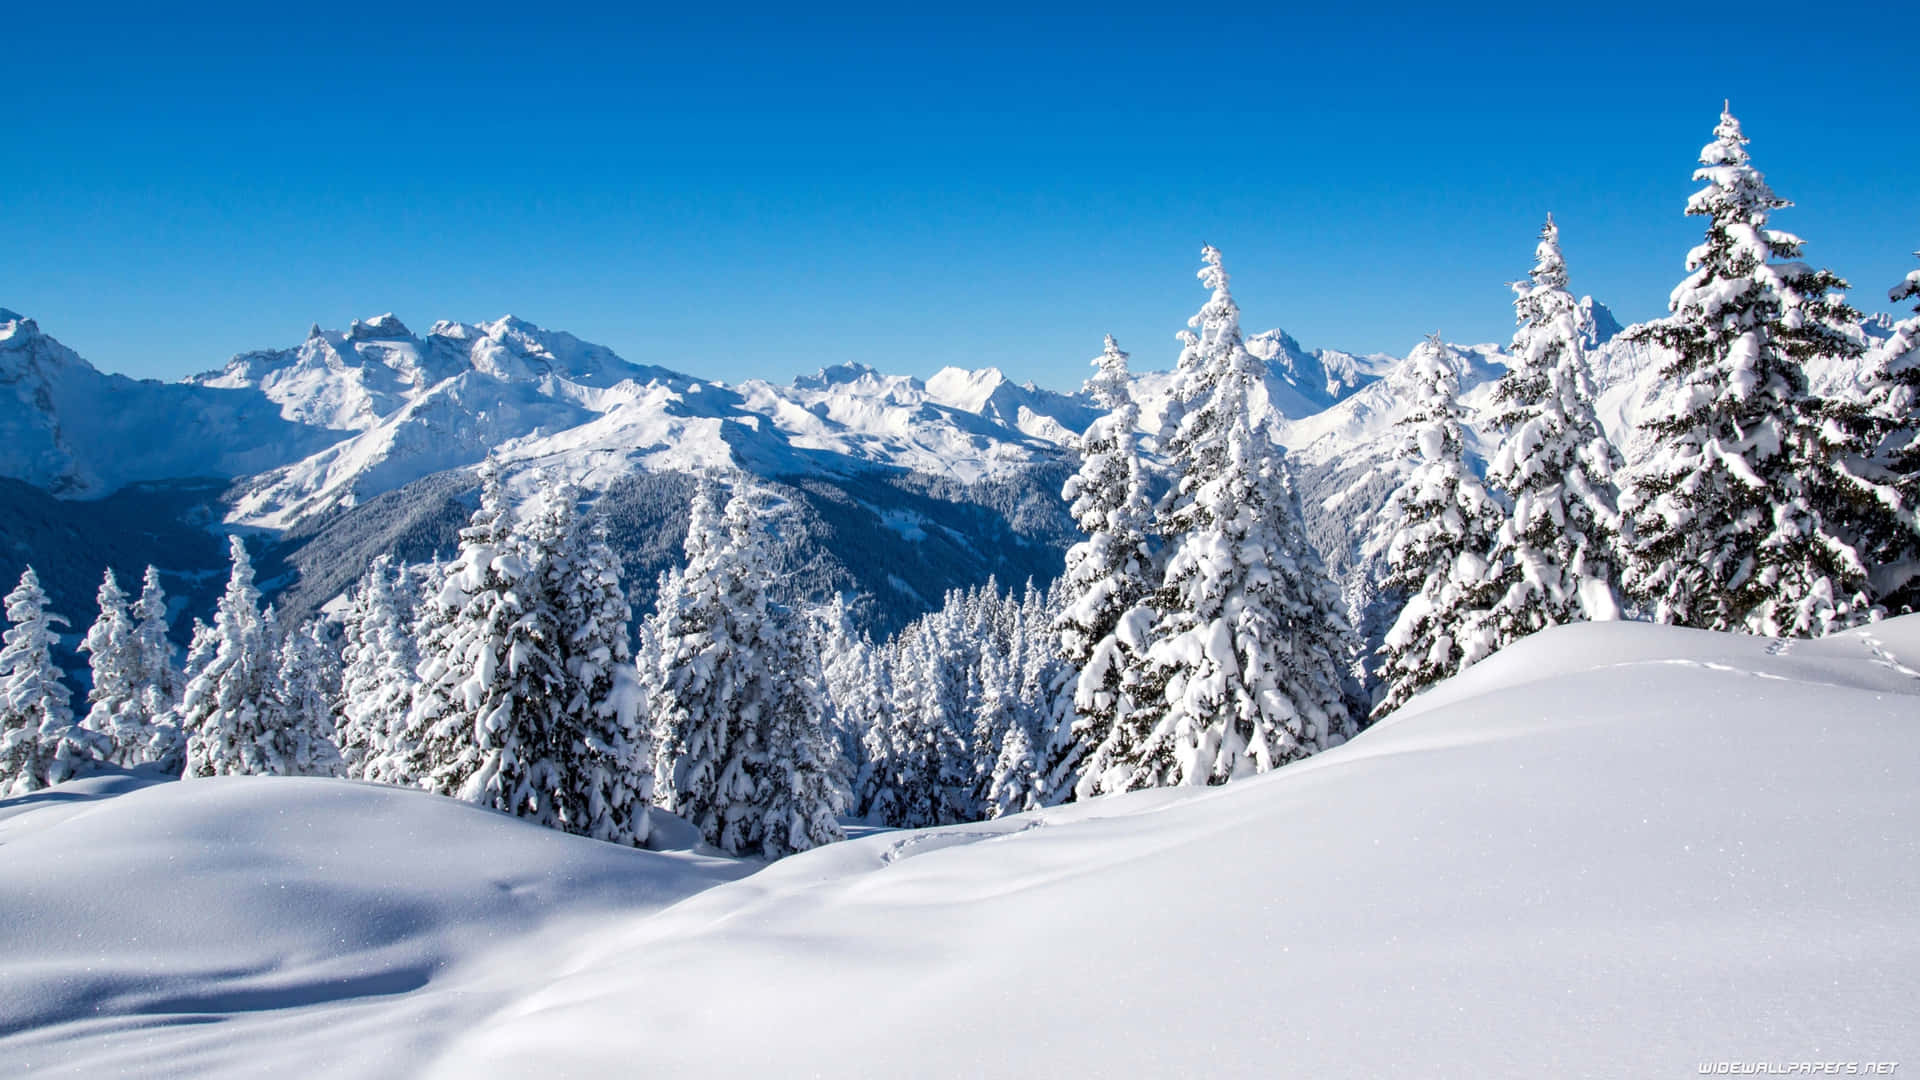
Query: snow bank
{"type": "Point", "coordinates": [1611, 850]}
{"type": "Point", "coordinates": [246, 926]}
{"type": "Point", "coordinates": [1614, 850]}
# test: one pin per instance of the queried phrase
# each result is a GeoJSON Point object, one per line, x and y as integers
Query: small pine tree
{"type": "Point", "coordinates": [230, 675]}
{"type": "Point", "coordinates": [298, 713]}
{"type": "Point", "coordinates": [1107, 576]}
{"type": "Point", "coordinates": [117, 711]}
{"type": "Point", "coordinates": [1437, 557]}
{"type": "Point", "coordinates": [1554, 558]}
{"type": "Point", "coordinates": [39, 743]}
{"type": "Point", "coordinates": [377, 681]}
{"type": "Point", "coordinates": [159, 681]}
{"type": "Point", "coordinates": [1727, 514]}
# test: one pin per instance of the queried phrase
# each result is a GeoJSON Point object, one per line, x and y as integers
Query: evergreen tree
{"type": "Point", "coordinates": [841, 671]}
{"type": "Point", "coordinates": [877, 787]}
{"type": "Point", "coordinates": [1875, 500]}
{"type": "Point", "coordinates": [799, 796]}
{"type": "Point", "coordinates": [1727, 514]}
{"type": "Point", "coordinates": [1239, 658]}
{"type": "Point", "coordinates": [230, 674]}
{"type": "Point", "coordinates": [1107, 575]}
{"type": "Point", "coordinates": [490, 685]}
{"type": "Point", "coordinates": [935, 776]}
{"type": "Point", "coordinates": [39, 743]}
{"type": "Point", "coordinates": [158, 681]}
{"type": "Point", "coordinates": [298, 712]}
{"type": "Point", "coordinates": [1553, 559]}
{"type": "Point", "coordinates": [1437, 556]}
{"type": "Point", "coordinates": [708, 687]}
{"type": "Point", "coordinates": [741, 752]}
{"type": "Point", "coordinates": [377, 681]}
{"type": "Point", "coordinates": [117, 711]}
{"type": "Point", "coordinates": [603, 751]}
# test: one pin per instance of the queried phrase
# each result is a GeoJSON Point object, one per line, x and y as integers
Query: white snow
{"type": "Point", "coordinates": [1610, 850]}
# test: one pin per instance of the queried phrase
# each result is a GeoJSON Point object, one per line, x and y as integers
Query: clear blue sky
{"type": "Point", "coordinates": [738, 196]}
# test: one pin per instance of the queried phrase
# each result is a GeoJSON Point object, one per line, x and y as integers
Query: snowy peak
{"type": "Point", "coordinates": [26, 352]}
{"type": "Point", "coordinates": [1300, 383]}
{"type": "Point", "coordinates": [1598, 320]}
{"type": "Point", "coordinates": [379, 328]}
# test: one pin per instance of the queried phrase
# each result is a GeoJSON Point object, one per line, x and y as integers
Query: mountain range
{"type": "Point", "coordinates": [359, 441]}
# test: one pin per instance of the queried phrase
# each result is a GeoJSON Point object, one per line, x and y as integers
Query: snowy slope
{"type": "Point", "coordinates": [1616, 850]}
{"type": "Point", "coordinates": [247, 925]}
{"type": "Point", "coordinates": [1613, 850]}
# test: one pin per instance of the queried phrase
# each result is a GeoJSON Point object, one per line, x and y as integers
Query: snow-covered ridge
{"type": "Point", "coordinates": [1610, 850]}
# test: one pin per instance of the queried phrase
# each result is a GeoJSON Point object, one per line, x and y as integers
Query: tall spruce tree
{"type": "Point", "coordinates": [490, 684]}
{"type": "Point", "coordinates": [1437, 557]}
{"type": "Point", "coordinates": [740, 750]}
{"type": "Point", "coordinates": [1554, 558]}
{"type": "Point", "coordinates": [1108, 575]}
{"type": "Point", "coordinates": [39, 743]}
{"type": "Point", "coordinates": [798, 796]}
{"type": "Point", "coordinates": [1729, 528]}
{"type": "Point", "coordinates": [602, 749]}
{"type": "Point", "coordinates": [708, 686]}
{"type": "Point", "coordinates": [1245, 677]}
{"type": "Point", "coordinates": [1876, 502]}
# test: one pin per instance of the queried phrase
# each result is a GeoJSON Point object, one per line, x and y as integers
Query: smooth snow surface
{"type": "Point", "coordinates": [1610, 850]}
{"type": "Point", "coordinates": [273, 925]}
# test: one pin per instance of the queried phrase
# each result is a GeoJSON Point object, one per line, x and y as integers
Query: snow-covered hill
{"type": "Point", "coordinates": [1612, 850]}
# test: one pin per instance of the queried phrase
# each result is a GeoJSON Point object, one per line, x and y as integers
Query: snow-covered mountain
{"type": "Point", "coordinates": [72, 430]}
{"type": "Point", "coordinates": [1610, 850]}
{"type": "Point", "coordinates": [315, 430]}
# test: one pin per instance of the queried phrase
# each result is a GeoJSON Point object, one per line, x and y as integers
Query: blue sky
{"type": "Point", "coordinates": [739, 196]}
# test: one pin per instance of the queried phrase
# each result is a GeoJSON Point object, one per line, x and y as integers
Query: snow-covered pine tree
{"type": "Point", "coordinates": [739, 747]}
{"type": "Point", "coordinates": [1015, 785]}
{"type": "Point", "coordinates": [297, 715]}
{"type": "Point", "coordinates": [1876, 504]}
{"type": "Point", "coordinates": [602, 747]}
{"type": "Point", "coordinates": [116, 710]}
{"type": "Point", "coordinates": [1554, 559]}
{"type": "Point", "coordinates": [1107, 575]}
{"type": "Point", "coordinates": [799, 795]}
{"type": "Point", "coordinates": [1437, 557]}
{"type": "Point", "coordinates": [224, 710]}
{"type": "Point", "coordinates": [841, 671]}
{"type": "Point", "coordinates": [40, 745]}
{"type": "Point", "coordinates": [709, 687]}
{"type": "Point", "coordinates": [490, 687]}
{"type": "Point", "coordinates": [1728, 528]}
{"type": "Point", "coordinates": [158, 679]}
{"type": "Point", "coordinates": [1048, 682]}
{"type": "Point", "coordinates": [378, 655]}
{"type": "Point", "coordinates": [1245, 682]}
{"type": "Point", "coordinates": [877, 787]}
{"type": "Point", "coordinates": [996, 710]}
{"type": "Point", "coordinates": [933, 763]}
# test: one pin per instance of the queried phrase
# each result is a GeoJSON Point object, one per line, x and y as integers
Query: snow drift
{"type": "Point", "coordinates": [1611, 850]}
